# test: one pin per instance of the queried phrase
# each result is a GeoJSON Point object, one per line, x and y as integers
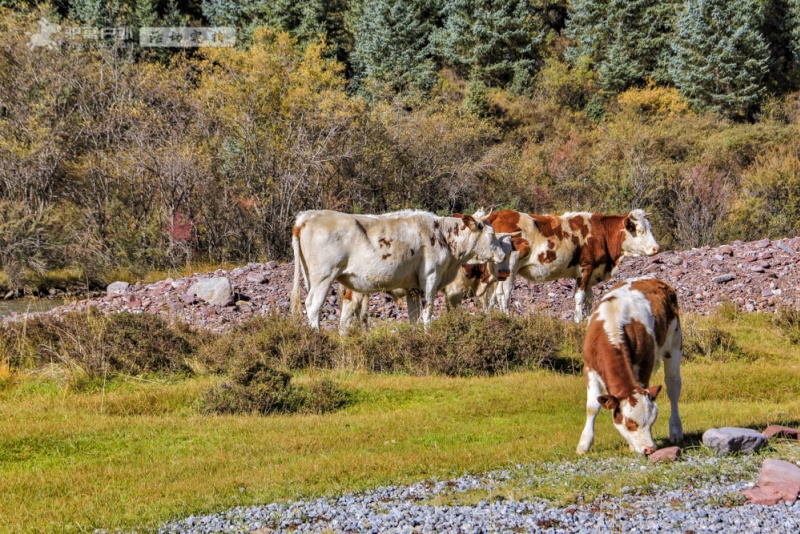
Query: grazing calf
{"type": "Point", "coordinates": [583, 246]}
{"type": "Point", "coordinates": [376, 253]}
{"type": "Point", "coordinates": [634, 327]}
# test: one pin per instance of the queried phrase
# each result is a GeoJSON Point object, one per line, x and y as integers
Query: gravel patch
{"type": "Point", "coordinates": [709, 501]}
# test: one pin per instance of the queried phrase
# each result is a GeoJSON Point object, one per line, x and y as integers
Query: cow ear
{"type": "Point", "coordinates": [609, 402]}
{"type": "Point", "coordinates": [653, 391]}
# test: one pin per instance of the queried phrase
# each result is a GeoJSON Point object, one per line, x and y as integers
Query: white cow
{"type": "Point", "coordinates": [471, 280]}
{"type": "Point", "coordinates": [408, 250]}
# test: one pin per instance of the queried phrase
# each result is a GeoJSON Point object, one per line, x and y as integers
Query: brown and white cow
{"type": "Point", "coordinates": [471, 280]}
{"type": "Point", "coordinates": [583, 246]}
{"type": "Point", "coordinates": [376, 253]}
{"type": "Point", "coordinates": [635, 326]}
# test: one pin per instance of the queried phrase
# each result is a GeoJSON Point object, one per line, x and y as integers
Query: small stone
{"type": "Point", "coordinates": [732, 439]}
{"type": "Point", "coordinates": [721, 279]}
{"type": "Point", "coordinates": [775, 471]}
{"type": "Point", "coordinates": [257, 278]}
{"type": "Point", "coordinates": [725, 249]}
{"type": "Point", "coordinates": [217, 291]}
{"type": "Point", "coordinates": [764, 243]}
{"type": "Point", "coordinates": [750, 258]}
{"type": "Point", "coordinates": [781, 432]}
{"type": "Point", "coordinates": [785, 248]}
{"type": "Point", "coordinates": [117, 288]}
{"type": "Point", "coordinates": [757, 269]}
{"type": "Point", "coordinates": [669, 454]}
{"type": "Point", "coordinates": [271, 264]}
{"type": "Point", "coordinates": [676, 273]}
{"type": "Point", "coordinates": [763, 496]}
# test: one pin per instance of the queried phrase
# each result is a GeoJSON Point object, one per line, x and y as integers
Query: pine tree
{"type": "Point", "coordinates": [392, 45]}
{"type": "Point", "coordinates": [720, 56]}
{"type": "Point", "coordinates": [497, 40]}
{"type": "Point", "coordinates": [611, 33]}
{"type": "Point", "coordinates": [89, 12]}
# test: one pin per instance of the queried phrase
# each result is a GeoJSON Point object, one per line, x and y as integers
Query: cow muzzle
{"type": "Point", "coordinates": [503, 274]}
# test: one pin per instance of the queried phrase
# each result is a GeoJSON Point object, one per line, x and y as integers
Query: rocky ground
{"type": "Point", "coordinates": [756, 276]}
{"type": "Point", "coordinates": [709, 503]}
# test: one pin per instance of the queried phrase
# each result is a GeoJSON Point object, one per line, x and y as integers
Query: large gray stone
{"type": "Point", "coordinates": [217, 291]}
{"type": "Point", "coordinates": [732, 439]}
{"type": "Point", "coordinates": [117, 288]}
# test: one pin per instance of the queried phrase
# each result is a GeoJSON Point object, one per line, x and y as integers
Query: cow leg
{"type": "Point", "coordinates": [672, 376]}
{"type": "Point", "coordinates": [593, 390]}
{"type": "Point", "coordinates": [412, 302]}
{"type": "Point", "coordinates": [428, 299]}
{"type": "Point", "coordinates": [318, 291]}
{"type": "Point", "coordinates": [503, 293]}
{"type": "Point", "coordinates": [583, 294]}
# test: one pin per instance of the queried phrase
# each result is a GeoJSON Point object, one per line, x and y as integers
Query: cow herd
{"type": "Point", "coordinates": [414, 254]}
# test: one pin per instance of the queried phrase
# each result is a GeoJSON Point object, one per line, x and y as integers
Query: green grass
{"type": "Point", "coordinates": [137, 452]}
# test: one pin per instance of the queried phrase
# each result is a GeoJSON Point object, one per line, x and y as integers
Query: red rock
{"type": "Point", "coordinates": [669, 454]}
{"type": "Point", "coordinates": [725, 249]}
{"type": "Point", "coordinates": [764, 496]}
{"type": "Point", "coordinates": [781, 432]}
{"type": "Point", "coordinates": [787, 491]}
{"type": "Point", "coordinates": [778, 472]}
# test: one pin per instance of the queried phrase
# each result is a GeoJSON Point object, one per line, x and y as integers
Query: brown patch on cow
{"type": "Point", "coordinates": [348, 294]}
{"type": "Point", "coordinates": [411, 251]}
{"type": "Point", "coordinates": [433, 240]}
{"type": "Point", "coordinates": [551, 244]}
{"type": "Point", "coordinates": [617, 414]}
{"type": "Point", "coordinates": [504, 221]}
{"type": "Point", "coordinates": [383, 242]}
{"type": "Point", "coordinates": [521, 245]}
{"type": "Point", "coordinates": [603, 246]}
{"type": "Point", "coordinates": [477, 272]}
{"type": "Point", "coordinates": [578, 225]}
{"type": "Point", "coordinates": [456, 230]}
{"type": "Point", "coordinates": [640, 348]}
{"type": "Point", "coordinates": [385, 256]}
{"type": "Point", "coordinates": [663, 303]}
{"type": "Point", "coordinates": [296, 230]}
{"type": "Point", "coordinates": [631, 425]}
{"type": "Point", "coordinates": [435, 225]}
{"type": "Point", "coordinates": [610, 362]}
{"type": "Point", "coordinates": [549, 226]}
{"type": "Point", "coordinates": [547, 257]}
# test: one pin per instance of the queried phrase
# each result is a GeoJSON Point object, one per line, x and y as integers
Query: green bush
{"type": "Point", "coordinates": [92, 345]}
{"type": "Point", "coordinates": [256, 388]}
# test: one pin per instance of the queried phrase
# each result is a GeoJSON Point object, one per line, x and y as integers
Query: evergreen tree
{"type": "Point", "coordinates": [89, 12]}
{"type": "Point", "coordinates": [626, 40]}
{"type": "Point", "coordinates": [497, 40]}
{"type": "Point", "coordinates": [392, 45]}
{"type": "Point", "coordinates": [720, 56]}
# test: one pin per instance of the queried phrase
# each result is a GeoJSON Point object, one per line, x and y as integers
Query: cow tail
{"type": "Point", "coordinates": [297, 310]}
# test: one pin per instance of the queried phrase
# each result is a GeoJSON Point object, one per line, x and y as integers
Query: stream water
{"type": "Point", "coordinates": [7, 307]}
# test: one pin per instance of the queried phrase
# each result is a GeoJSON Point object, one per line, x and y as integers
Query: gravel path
{"type": "Point", "coordinates": [700, 495]}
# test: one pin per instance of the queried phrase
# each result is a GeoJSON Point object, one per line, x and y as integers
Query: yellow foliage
{"type": "Point", "coordinates": [654, 100]}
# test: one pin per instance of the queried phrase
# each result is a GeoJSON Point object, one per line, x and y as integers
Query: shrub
{"type": "Point", "coordinates": [92, 345]}
{"type": "Point", "coordinates": [703, 340]}
{"type": "Point", "coordinates": [460, 344]}
{"type": "Point", "coordinates": [257, 388]}
{"type": "Point", "coordinates": [788, 320]}
{"type": "Point", "coordinates": [275, 340]}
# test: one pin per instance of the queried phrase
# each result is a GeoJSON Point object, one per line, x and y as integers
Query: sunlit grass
{"type": "Point", "coordinates": [136, 453]}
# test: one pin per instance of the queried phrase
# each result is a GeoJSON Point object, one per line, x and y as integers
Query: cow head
{"type": "Point", "coordinates": [638, 236]}
{"type": "Point", "coordinates": [482, 244]}
{"type": "Point", "coordinates": [634, 417]}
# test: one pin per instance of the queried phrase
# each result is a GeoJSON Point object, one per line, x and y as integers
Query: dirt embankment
{"type": "Point", "coordinates": [756, 276]}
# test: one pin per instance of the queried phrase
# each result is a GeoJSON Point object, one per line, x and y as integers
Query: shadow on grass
{"type": "Point", "coordinates": [564, 365]}
{"type": "Point", "coordinates": [695, 439]}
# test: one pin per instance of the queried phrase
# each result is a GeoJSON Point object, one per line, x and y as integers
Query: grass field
{"type": "Point", "coordinates": [136, 452]}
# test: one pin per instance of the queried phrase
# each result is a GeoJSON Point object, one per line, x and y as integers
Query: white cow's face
{"type": "Point", "coordinates": [485, 245]}
{"type": "Point", "coordinates": [639, 240]}
{"type": "Point", "coordinates": [501, 270]}
{"type": "Point", "coordinates": [634, 417]}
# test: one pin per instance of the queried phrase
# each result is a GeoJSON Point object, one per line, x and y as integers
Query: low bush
{"type": "Point", "coordinates": [257, 388]}
{"type": "Point", "coordinates": [704, 340]}
{"type": "Point", "coordinates": [460, 344]}
{"type": "Point", "coordinates": [91, 344]}
{"type": "Point", "coordinates": [276, 340]}
{"type": "Point", "coordinates": [788, 320]}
